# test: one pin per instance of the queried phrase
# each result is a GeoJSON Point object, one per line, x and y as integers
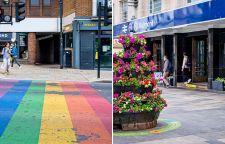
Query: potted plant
{"type": "Point", "coordinates": [218, 84]}
{"type": "Point", "coordinates": [137, 102]}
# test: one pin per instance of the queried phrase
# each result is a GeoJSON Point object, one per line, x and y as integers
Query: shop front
{"type": "Point", "coordinates": [21, 42]}
{"type": "Point", "coordinates": [197, 30]}
{"type": "Point", "coordinates": [85, 44]}
{"type": "Point", "coordinates": [4, 38]}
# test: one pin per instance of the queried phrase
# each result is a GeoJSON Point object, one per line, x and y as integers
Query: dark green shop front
{"type": "Point", "coordinates": [85, 44]}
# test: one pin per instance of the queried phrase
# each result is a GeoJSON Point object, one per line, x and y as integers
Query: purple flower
{"type": "Point", "coordinates": [141, 36]}
{"type": "Point", "coordinates": [132, 40]}
{"type": "Point", "coordinates": [126, 55]}
{"type": "Point", "coordinates": [121, 61]}
{"type": "Point", "coordinates": [115, 78]}
{"type": "Point", "coordinates": [139, 56]}
{"type": "Point", "coordinates": [115, 109]}
{"type": "Point", "coordinates": [131, 110]}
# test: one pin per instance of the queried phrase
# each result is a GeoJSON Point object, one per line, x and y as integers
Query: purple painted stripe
{"type": "Point", "coordinates": [5, 86]}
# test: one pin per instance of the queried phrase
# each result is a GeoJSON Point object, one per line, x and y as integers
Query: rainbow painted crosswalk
{"type": "Point", "coordinates": [45, 112]}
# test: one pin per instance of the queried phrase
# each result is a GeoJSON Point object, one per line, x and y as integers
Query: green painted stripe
{"type": "Point", "coordinates": [170, 125]}
{"type": "Point", "coordinates": [24, 127]}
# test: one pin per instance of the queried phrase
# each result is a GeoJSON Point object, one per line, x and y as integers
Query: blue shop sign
{"type": "Point", "coordinates": [5, 36]}
{"type": "Point", "coordinates": [206, 11]}
{"type": "Point", "coordinates": [92, 25]}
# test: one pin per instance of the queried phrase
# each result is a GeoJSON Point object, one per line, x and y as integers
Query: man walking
{"type": "Point", "coordinates": [14, 54]}
{"type": "Point", "coordinates": [167, 70]}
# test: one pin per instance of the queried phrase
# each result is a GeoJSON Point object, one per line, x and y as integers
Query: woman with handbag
{"type": "Point", "coordinates": [6, 58]}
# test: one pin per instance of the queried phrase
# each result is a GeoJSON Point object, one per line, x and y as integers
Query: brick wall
{"type": "Point", "coordinates": [80, 7]}
{"type": "Point", "coordinates": [83, 7]}
{"type": "Point", "coordinates": [32, 48]}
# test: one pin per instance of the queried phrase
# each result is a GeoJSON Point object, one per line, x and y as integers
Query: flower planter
{"type": "Point", "coordinates": [216, 85]}
{"type": "Point", "coordinates": [135, 121]}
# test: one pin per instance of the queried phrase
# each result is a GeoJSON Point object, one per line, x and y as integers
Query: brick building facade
{"type": "Point", "coordinates": [38, 34]}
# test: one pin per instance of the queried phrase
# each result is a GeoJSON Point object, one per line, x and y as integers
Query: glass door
{"type": "Point", "coordinates": [200, 61]}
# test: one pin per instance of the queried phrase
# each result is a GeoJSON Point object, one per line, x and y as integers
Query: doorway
{"type": "Point", "coordinates": [199, 59]}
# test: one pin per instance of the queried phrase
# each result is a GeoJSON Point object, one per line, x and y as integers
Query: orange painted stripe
{"type": "Point", "coordinates": [88, 126]}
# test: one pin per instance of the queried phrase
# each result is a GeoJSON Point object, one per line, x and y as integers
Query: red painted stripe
{"type": "Point", "coordinates": [100, 105]}
{"type": "Point", "coordinates": [89, 128]}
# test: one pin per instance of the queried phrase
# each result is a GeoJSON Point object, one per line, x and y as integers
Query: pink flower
{"type": "Point", "coordinates": [121, 70]}
{"type": "Point", "coordinates": [144, 63]}
{"type": "Point", "coordinates": [153, 68]}
{"type": "Point", "coordinates": [121, 40]}
{"type": "Point", "coordinates": [137, 69]}
{"type": "Point", "coordinates": [127, 94]}
{"type": "Point", "coordinates": [116, 95]}
{"type": "Point", "coordinates": [114, 56]}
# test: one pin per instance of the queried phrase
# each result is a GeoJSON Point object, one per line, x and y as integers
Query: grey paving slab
{"type": "Point", "coordinates": [201, 114]}
{"type": "Point", "coordinates": [52, 72]}
{"type": "Point", "coordinates": [178, 140]}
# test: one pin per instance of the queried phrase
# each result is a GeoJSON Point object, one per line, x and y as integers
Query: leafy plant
{"type": "Point", "coordinates": [222, 80]}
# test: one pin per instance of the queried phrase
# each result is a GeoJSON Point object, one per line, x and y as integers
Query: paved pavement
{"type": "Point", "coordinates": [43, 104]}
{"type": "Point", "coordinates": [193, 117]}
{"type": "Point", "coordinates": [53, 73]}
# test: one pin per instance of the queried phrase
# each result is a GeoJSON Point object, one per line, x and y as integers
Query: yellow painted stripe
{"type": "Point", "coordinates": [56, 125]}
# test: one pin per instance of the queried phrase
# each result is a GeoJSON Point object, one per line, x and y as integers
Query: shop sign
{"type": "Point", "coordinates": [205, 11]}
{"type": "Point", "coordinates": [5, 36]}
{"type": "Point", "coordinates": [92, 25]}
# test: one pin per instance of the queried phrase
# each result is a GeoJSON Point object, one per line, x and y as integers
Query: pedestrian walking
{"type": "Point", "coordinates": [14, 55]}
{"type": "Point", "coordinates": [186, 69]}
{"type": "Point", "coordinates": [6, 58]}
{"type": "Point", "coordinates": [167, 70]}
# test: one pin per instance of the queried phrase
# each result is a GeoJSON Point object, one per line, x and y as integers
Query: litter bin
{"type": "Point", "coordinates": [68, 58]}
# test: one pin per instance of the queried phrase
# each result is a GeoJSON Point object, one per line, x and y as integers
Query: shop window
{"type": "Point", "coordinates": [124, 10]}
{"type": "Point", "coordinates": [23, 47]}
{"type": "Point", "coordinates": [47, 2]}
{"type": "Point", "coordinates": [69, 40]}
{"type": "Point", "coordinates": [155, 6]}
{"type": "Point", "coordinates": [34, 2]}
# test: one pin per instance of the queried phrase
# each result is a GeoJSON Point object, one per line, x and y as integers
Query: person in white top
{"type": "Point", "coordinates": [186, 69]}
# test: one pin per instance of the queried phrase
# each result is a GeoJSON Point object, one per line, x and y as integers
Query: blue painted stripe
{"type": "Point", "coordinates": [10, 102]}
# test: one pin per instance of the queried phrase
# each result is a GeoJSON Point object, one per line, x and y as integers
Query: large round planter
{"type": "Point", "coordinates": [135, 121]}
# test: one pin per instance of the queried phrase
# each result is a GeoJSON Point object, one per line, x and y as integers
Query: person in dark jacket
{"type": "Point", "coordinates": [14, 54]}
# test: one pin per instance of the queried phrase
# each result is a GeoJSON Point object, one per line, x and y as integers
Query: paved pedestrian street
{"type": "Point", "coordinates": [48, 112]}
{"type": "Point", "coordinates": [192, 117]}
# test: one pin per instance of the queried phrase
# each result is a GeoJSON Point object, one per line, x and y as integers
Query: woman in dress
{"type": "Point", "coordinates": [6, 58]}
